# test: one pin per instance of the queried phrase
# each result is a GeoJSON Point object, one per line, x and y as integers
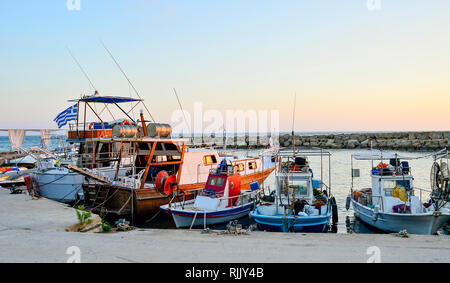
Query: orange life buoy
{"type": "Point", "coordinates": [91, 126]}
{"type": "Point", "coordinates": [169, 184]}
{"type": "Point", "coordinates": [126, 122]}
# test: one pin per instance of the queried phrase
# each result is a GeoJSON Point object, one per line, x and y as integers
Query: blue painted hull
{"type": "Point", "coordinates": [279, 223]}
{"type": "Point", "coordinates": [184, 218]}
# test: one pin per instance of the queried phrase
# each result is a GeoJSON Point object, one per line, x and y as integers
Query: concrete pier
{"type": "Point", "coordinates": [34, 231]}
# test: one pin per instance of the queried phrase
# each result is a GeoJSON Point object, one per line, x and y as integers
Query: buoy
{"type": "Point", "coordinates": [347, 204]}
{"type": "Point", "coordinates": [126, 122]}
{"type": "Point", "coordinates": [91, 126]}
{"type": "Point", "coordinates": [375, 214]}
{"type": "Point", "coordinates": [334, 211]}
{"type": "Point", "coordinates": [160, 180]}
{"type": "Point", "coordinates": [169, 184]}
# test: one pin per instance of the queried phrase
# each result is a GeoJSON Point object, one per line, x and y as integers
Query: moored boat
{"type": "Point", "coordinates": [220, 201]}
{"type": "Point", "coordinates": [392, 203]}
{"type": "Point", "coordinates": [159, 162]}
{"type": "Point", "coordinates": [301, 203]}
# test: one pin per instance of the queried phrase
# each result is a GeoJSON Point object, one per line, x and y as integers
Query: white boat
{"type": "Point", "coordinates": [220, 201]}
{"type": "Point", "coordinates": [393, 204]}
{"type": "Point", "coordinates": [63, 185]}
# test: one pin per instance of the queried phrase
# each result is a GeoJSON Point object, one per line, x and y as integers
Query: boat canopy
{"type": "Point", "coordinates": [383, 156]}
{"type": "Point", "coordinates": [106, 99]}
{"type": "Point", "coordinates": [391, 155]}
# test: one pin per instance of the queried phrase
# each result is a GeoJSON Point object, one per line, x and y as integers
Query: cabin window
{"type": "Point", "coordinates": [404, 183]}
{"type": "Point", "coordinates": [161, 158]}
{"type": "Point", "coordinates": [213, 181]}
{"type": "Point", "coordinates": [389, 185]}
{"type": "Point", "coordinates": [220, 182]}
{"type": "Point", "coordinates": [216, 181]}
{"type": "Point", "coordinates": [209, 160]}
{"type": "Point", "coordinates": [240, 167]}
{"type": "Point", "coordinates": [300, 188]}
{"type": "Point", "coordinates": [252, 165]}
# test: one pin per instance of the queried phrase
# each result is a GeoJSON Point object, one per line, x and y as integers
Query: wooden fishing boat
{"type": "Point", "coordinates": [54, 180]}
{"type": "Point", "coordinates": [161, 166]}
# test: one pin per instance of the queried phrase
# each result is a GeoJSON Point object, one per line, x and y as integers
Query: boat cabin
{"type": "Point", "coordinates": [392, 189]}
{"type": "Point", "coordinates": [222, 188]}
{"type": "Point", "coordinates": [224, 182]}
{"type": "Point", "coordinates": [299, 183]}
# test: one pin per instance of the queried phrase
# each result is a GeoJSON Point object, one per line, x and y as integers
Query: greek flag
{"type": "Point", "coordinates": [67, 115]}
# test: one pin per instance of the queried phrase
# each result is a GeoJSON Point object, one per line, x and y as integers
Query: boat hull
{"type": "Point", "coordinates": [279, 223]}
{"type": "Point", "coordinates": [60, 186]}
{"type": "Point", "coordinates": [185, 219]}
{"type": "Point", "coordinates": [65, 186]}
{"type": "Point", "coordinates": [147, 202]}
{"type": "Point", "coordinates": [423, 223]}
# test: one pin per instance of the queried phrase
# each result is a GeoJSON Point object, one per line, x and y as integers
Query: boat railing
{"type": "Point", "coordinates": [175, 201]}
{"type": "Point", "coordinates": [370, 198]}
{"type": "Point", "coordinates": [240, 198]}
{"type": "Point", "coordinates": [420, 193]}
{"type": "Point", "coordinates": [88, 126]}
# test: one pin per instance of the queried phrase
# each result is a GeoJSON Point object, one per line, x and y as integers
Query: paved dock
{"type": "Point", "coordinates": [34, 231]}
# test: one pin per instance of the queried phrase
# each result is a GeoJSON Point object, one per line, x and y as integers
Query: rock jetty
{"type": "Point", "coordinates": [399, 140]}
{"type": "Point", "coordinates": [393, 140]}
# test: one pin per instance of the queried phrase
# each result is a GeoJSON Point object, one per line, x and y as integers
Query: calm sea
{"type": "Point", "coordinates": [30, 141]}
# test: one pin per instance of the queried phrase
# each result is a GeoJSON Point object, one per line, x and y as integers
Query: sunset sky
{"type": "Point", "coordinates": [353, 68]}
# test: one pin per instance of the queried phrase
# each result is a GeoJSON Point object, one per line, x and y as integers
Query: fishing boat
{"type": "Point", "coordinates": [54, 179]}
{"type": "Point", "coordinates": [161, 162]}
{"type": "Point", "coordinates": [301, 202]}
{"type": "Point", "coordinates": [393, 203]}
{"type": "Point", "coordinates": [220, 201]}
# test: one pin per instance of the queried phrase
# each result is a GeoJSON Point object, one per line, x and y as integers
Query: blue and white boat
{"type": "Point", "coordinates": [220, 201]}
{"type": "Point", "coordinates": [301, 203]}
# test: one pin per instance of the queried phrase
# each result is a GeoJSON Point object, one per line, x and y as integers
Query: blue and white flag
{"type": "Point", "coordinates": [67, 115]}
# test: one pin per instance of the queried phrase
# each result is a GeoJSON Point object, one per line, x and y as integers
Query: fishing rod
{"type": "Point", "coordinates": [81, 68]}
{"type": "Point", "coordinates": [126, 77]}
{"type": "Point", "coordinates": [181, 107]}
{"type": "Point", "coordinates": [293, 123]}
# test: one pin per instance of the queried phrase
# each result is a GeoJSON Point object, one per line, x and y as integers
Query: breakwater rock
{"type": "Point", "coordinates": [392, 140]}
{"type": "Point", "coordinates": [397, 140]}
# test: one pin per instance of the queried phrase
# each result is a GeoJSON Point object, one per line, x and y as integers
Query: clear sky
{"type": "Point", "coordinates": [353, 69]}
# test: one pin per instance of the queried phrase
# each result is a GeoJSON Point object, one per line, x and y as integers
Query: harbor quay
{"type": "Point", "coordinates": [34, 230]}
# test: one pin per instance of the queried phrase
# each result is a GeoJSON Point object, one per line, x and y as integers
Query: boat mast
{"type": "Point", "coordinates": [293, 124]}
{"type": "Point", "coordinates": [181, 108]}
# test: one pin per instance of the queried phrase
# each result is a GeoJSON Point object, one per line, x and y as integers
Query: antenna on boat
{"type": "Point", "coordinates": [126, 77]}
{"type": "Point", "coordinates": [181, 107]}
{"type": "Point", "coordinates": [81, 68]}
{"type": "Point", "coordinates": [293, 123]}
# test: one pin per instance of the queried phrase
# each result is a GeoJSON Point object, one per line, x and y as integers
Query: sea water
{"type": "Point", "coordinates": [31, 141]}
